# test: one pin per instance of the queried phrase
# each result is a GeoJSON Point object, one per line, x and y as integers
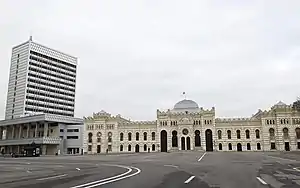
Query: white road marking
{"type": "Point", "coordinates": [296, 169]}
{"type": "Point", "coordinates": [202, 157]}
{"type": "Point", "coordinates": [261, 181]}
{"type": "Point", "coordinates": [190, 179]}
{"type": "Point", "coordinates": [172, 166]}
{"type": "Point", "coordinates": [52, 177]}
{"type": "Point", "coordinates": [78, 169]}
{"type": "Point", "coordinates": [117, 179]}
{"type": "Point", "coordinates": [28, 171]}
{"type": "Point", "coordinates": [98, 181]}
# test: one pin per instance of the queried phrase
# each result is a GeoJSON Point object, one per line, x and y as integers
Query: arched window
{"type": "Point", "coordinates": [121, 136]}
{"type": "Point", "coordinates": [197, 138]}
{"type": "Point", "coordinates": [257, 134]}
{"type": "Point", "coordinates": [229, 134]}
{"type": "Point", "coordinates": [153, 147]}
{"type": "Point", "coordinates": [121, 147]}
{"type": "Point", "coordinates": [99, 137]}
{"type": "Point", "coordinates": [145, 147]}
{"type": "Point", "coordinates": [129, 136]}
{"type": "Point", "coordinates": [238, 134]}
{"type": "Point", "coordinates": [174, 139]}
{"type": "Point", "coordinates": [247, 134]}
{"type": "Point", "coordinates": [297, 133]}
{"type": "Point", "coordinates": [285, 133]}
{"type": "Point", "coordinates": [109, 136]}
{"type": "Point", "coordinates": [229, 146]}
{"type": "Point", "coordinates": [248, 146]}
{"type": "Point", "coordinates": [219, 134]}
{"type": "Point", "coordinates": [220, 146]}
{"type": "Point", "coordinates": [272, 133]}
{"type": "Point", "coordinates": [145, 136]}
{"type": "Point", "coordinates": [137, 136]}
{"type": "Point", "coordinates": [129, 147]}
{"type": "Point", "coordinates": [153, 135]}
{"type": "Point", "coordinates": [90, 135]}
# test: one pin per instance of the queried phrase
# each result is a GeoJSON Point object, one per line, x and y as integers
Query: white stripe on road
{"type": "Point", "coordinates": [261, 181]}
{"type": "Point", "coordinates": [110, 181]}
{"type": "Point", "coordinates": [202, 157]}
{"type": "Point", "coordinates": [281, 158]}
{"type": "Point", "coordinates": [52, 177]}
{"type": "Point", "coordinates": [171, 166]}
{"type": "Point", "coordinates": [98, 181]}
{"type": "Point", "coordinates": [296, 169]}
{"type": "Point", "coordinates": [78, 169]}
{"type": "Point", "coordinates": [190, 179]}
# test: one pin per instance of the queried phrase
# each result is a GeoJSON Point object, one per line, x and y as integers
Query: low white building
{"type": "Point", "coordinates": [188, 127]}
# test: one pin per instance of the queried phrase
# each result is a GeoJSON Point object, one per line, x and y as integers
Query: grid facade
{"type": "Point", "coordinates": [41, 80]}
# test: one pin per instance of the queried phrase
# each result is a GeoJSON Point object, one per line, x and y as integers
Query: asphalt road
{"type": "Point", "coordinates": [155, 170]}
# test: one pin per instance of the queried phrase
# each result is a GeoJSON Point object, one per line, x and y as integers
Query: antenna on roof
{"type": "Point", "coordinates": [184, 95]}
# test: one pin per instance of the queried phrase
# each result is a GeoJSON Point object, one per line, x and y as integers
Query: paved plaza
{"type": "Point", "coordinates": [155, 170]}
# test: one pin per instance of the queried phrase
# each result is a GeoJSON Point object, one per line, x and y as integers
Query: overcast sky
{"type": "Point", "coordinates": [139, 56]}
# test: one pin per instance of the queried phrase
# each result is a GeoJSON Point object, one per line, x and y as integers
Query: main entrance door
{"type": "Point", "coordinates": [209, 140]}
{"type": "Point", "coordinates": [182, 143]}
{"type": "Point", "coordinates": [163, 141]}
{"type": "Point", "coordinates": [188, 143]}
{"type": "Point", "coordinates": [287, 146]}
{"type": "Point", "coordinates": [98, 148]}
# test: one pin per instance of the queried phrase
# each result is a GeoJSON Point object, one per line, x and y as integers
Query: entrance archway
{"type": "Point", "coordinates": [239, 147]}
{"type": "Point", "coordinates": [197, 138]}
{"type": "Point", "coordinates": [137, 148]}
{"type": "Point", "coordinates": [188, 143]}
{"type": "Point", "coordinates": [174, 139]}
{"type": "Point", "coordinates": [209, 140]}
{"type": "Point", "coordinates": [182, 143]}
{"type": "Point", "coordinates": [163, 141]}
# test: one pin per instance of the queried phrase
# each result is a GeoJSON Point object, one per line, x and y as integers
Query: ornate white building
{"type": "Point", "coordinates": [188, 127]}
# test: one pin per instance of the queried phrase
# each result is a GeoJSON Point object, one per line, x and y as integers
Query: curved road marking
{"type": "Point", "coordinates": [117, 179]}
{"type": "Point", "coordinates": [201, 157]}
{"type": "Point", "coordinates": [98, 181]}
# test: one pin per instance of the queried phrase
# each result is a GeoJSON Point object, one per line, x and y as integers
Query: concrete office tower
{"type": "Point", "coordinates": [41, 80]}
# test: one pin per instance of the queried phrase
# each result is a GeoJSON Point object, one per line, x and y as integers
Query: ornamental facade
{"type": "Point", "coordinates": [188, 127]}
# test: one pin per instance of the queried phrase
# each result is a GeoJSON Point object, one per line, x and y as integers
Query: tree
{"type": "Point", "coordinates": [296, 104]}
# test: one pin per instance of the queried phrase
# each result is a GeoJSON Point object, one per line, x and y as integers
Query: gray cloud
{"type": "Point", "coordinates": [137, 56]}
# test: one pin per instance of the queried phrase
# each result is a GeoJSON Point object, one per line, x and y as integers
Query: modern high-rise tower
{"type": "Point", "coordinates": [41, 80]}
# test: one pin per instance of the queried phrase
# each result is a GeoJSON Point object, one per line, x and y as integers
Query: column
{"type": "Point", "coordinates": [44, 149]}
{"type": "Point", "coordinates": [20, 131]}
{"type": "Point", "coordinates": [13, 132]}
{"type": "Point", "coordinates": [36, 129]}
{"type": "Point", "coordinates": [28, 128]}
{"type": "Point", "coordinates": [1, 133]}
{"type": "Point", "coordinates": [46, 129]}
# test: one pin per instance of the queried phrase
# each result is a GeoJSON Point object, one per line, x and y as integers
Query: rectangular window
{"type": "Point", "coordinates": [72, 137]}
{"type": "Point", "coordinates": [298, 145]}
{"type": "Point", "coordinates": [89, 148]}
{"type": "Point", "coordinates": [109, 148]}
{"type": "Point", "coordinates": [61, 137]}
{"type": "Point", "coordinates": [273, 146]}
{"type": "Point", "coordinates": [72, 130]}
{"type": "Point", "coordinates": [61, 130]}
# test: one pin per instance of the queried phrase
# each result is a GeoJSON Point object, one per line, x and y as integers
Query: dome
{"type": "Point", "coordinates": [186, 104]}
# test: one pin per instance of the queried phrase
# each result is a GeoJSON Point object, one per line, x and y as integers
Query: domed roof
{"type": "Point", "coordinates": [186, 104]}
